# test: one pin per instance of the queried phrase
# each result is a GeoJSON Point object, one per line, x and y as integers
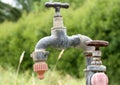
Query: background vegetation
{"type": "Point", "coordinates": [8, 77]}
{"type": "Point", "coordinates": [98, 19]}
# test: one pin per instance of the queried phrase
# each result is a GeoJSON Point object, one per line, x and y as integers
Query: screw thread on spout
{"type": "Point", "coordinates": [58, 22]}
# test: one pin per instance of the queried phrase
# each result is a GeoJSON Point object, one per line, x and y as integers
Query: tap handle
{"type": "Point", "coordinates": [57, 5]}
{"type": "Point", "coordinates": [97, 43]}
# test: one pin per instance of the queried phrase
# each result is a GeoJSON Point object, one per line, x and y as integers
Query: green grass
{"type": "Point", "coordinates": [8, 77]}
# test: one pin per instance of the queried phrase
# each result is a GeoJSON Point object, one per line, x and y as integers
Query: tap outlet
{"type": "Point", "coordinates": [40, 68]}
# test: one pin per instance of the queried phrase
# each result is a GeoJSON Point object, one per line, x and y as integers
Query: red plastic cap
{"type": "Point", "coordinates": [40, 68]}
{"type": "Point", "coordinates": [99, 79]}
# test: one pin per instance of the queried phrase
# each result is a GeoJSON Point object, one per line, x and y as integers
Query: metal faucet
{"type": "Point", "coordinates": [59, 39]}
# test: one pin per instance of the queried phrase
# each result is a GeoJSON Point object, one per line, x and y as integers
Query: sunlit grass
{"type": "Point", "coordinates": [8, 77]}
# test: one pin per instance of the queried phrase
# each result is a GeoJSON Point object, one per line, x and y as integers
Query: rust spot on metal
{"type": "Point", "coordinates": [97, 43]}
{"type": "Point", "coordinates": [88, 54]}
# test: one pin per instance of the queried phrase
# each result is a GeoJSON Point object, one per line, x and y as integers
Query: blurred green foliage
{"type": "Point", "coordinates": [98, 19]}
{"type": "Point", "coordinates": [8, 12]}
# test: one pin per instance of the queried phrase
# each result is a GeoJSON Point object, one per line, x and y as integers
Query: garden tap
{"type": "Point", "coordinates": [58, 39]}
{"type": "Point", "coordinates": [96, 70]}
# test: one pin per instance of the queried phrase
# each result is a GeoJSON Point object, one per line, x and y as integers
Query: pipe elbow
{"type": "Point", "coordinates": [74, 40]}
{"type": "Point", "coordinates": [43, 43]}
{"type": "Point", "coordinates": [39, 53]}
{"type": "Point", "coordinates": [82, 44]}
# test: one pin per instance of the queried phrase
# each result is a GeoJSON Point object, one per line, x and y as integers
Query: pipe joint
{"type": "Point", "coordinates": [39, 55]}
{"type": "Point", "coordinates": [74, 40]}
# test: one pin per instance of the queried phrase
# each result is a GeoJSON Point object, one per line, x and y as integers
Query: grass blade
{"type": "Point", "coordinates": [20, 61]}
